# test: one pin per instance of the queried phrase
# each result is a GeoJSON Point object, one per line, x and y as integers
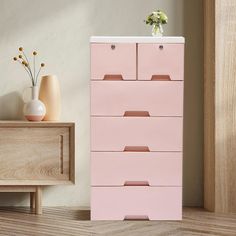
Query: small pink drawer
{"type": "Point", "coordinates": [113, 61]}
{"type": "Point", "coordinates": [120, 203]}
{"type": "Point", "coordinates": [160, 61]}
{"type": "Point", "coordinates": [157, 98]}
{"type": "Point", "coordinates": [136, 133]}
{"type": "Point", "coordinates": [136, 168]}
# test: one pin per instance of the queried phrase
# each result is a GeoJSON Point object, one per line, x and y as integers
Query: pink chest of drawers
{"type": "Point", "coordinates": [136, 127]}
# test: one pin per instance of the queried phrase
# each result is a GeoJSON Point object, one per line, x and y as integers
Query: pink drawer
{"type": "Point", "coordinates": [113, 61]}
{"type": "Point", "coordinates": [157, 98]}
{"type": "Point", "coordinates": [161, 61]}
{"type": "Point", "coordinates": [153, 203]}
{"type": "Point", "coordinates": [136, 133]}
{"type": "Point", "coordinates": [136, 168]}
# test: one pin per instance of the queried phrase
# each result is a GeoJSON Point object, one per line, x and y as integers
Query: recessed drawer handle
{"type": "Point", "coordinates": [161, 77]}
{"type": "Point", "coordinates": [137, 113]}
{"type": "Point", "coordinates": [61, 154]}
{"type": "Point", "coordinates": [136, 149]}
{"type": "Point", "coordinates": [113, 77]}
{"type": "Point", "coordinates": [136, 217]}
{"type": "Point", "coordinates": [136, 183]}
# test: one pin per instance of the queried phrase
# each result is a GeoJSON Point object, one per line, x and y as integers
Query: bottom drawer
{"type": "Point", "coordinates": [136, 202]}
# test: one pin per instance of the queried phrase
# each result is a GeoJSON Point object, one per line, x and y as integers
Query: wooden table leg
{"type": "Point", "coordinates": [38, 201]}
{"type": "Point", "coordinates": [32, 200]}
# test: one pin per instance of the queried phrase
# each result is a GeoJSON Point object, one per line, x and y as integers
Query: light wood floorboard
{"type": "Point", "coordinates": [70, 221]}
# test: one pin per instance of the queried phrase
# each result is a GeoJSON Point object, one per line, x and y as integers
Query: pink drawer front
{"type": "Point", "coordinates": [113, 61]}
{"type": "Point", "coordinates": [161, 61]}
{"type": "Point", "coordinates": [136, 168]}
{"type": "Point", "coordinates": [156, 98]}
{"type": "Point", "coordinates": [120, 203]}
{"type": "Point", "coordinates": [136, 133]}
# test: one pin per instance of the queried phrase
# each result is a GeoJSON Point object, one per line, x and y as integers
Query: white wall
{"type": "Point", "coordinates": [59, 30]}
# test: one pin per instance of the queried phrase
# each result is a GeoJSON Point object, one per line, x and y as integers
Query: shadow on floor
{"type": "Point", "coordinates": [58, 212]}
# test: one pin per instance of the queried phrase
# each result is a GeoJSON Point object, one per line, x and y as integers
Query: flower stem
{"type": "Point", "coordinates": [38, 74]}
{"type": "Point", "coordinates": [29, 67]}
{"type": "Point", "coordinates": [34, 68]}
{"type": "Point", "coordinates": [27, 72]}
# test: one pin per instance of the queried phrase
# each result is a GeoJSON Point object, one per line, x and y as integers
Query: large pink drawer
{"type": "Point", "coordinates": [128, 133]}
{"type": "Point", "coordinates": [153, 203]}
{"type": "Point", "coordinates": [158, 98]}
{"type": "Point", "coordinates": [158, 61]}
{"type": "Point", "coordinates": [136, 168]}
{"type": "Point", "coordinates": [111, 61]}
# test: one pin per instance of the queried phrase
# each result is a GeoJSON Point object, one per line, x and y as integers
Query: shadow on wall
{"type": "Point", "coordinates": [193, 104]}
{"type": "Point", "coordinates": [17, 200]}
{"type": "Point", "coordinates": [11, 106]}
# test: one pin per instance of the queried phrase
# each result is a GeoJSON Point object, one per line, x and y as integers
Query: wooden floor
{"type": "Point", "coordinates": [68, 221]}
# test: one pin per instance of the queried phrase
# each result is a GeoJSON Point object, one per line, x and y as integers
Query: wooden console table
{"type": "Point", "coordinates": [35, 154]}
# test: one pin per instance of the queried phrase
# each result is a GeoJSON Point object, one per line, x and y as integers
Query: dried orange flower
{"type": "Point", "coordinates": [25, 62]}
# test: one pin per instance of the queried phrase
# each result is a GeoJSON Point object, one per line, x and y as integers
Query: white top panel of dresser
{"type": "Point", "coordinates": [136, 39]}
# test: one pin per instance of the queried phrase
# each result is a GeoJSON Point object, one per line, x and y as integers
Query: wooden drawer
{"type": "Point", "coordinates": [156, 98]}
{"type": "Point", "coordinates": [113, 61]}
{"type": "Point", "coordinates": [136, 168]}
{"type": "Point", "coordinates": [136, 133]}
{"type": "Point", "coordinates": [36, 155]}
{"type": "Point", "coordinates": [160, 61]}
{"type": "Point", "coordinates": [153, 203]}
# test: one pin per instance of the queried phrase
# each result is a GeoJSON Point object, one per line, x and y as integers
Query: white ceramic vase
{"type": "Point", "coordinates": [50, 95]}
{"type": "Point", "coordinates": [34, 110]}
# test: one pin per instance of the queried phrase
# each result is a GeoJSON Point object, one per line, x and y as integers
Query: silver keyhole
{"type": "Point", "coordinates": [113, 47]}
